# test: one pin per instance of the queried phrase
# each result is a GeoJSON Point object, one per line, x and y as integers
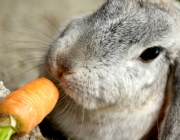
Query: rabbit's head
{"type": "Point", "coordinates": [119, 54]}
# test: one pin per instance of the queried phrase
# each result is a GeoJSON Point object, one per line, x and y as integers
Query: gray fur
{"type": "Point", "coordinates": [107, 92]}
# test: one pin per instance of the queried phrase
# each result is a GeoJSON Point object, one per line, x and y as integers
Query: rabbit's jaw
{"type": "Point", "coordinates": [111, 123]}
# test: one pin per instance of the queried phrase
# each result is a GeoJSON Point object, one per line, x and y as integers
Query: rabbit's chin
{"type": "Point", "coordinates": [83, 98]}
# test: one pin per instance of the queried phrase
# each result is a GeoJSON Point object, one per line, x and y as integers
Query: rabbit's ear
{"type": "Point", "coordinates": [170, 129]}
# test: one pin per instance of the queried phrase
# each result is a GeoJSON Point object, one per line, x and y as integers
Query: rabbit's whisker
{"type": "Point", "coordinates": [25, 34]}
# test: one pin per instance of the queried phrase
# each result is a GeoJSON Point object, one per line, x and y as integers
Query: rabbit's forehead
{"type": "Point", "coordinates": [140, 25]}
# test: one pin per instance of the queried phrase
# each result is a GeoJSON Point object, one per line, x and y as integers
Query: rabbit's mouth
{"type": "Point", "coordinates": [85, 89]}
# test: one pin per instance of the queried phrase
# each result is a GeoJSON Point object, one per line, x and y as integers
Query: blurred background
{"type": "Point", "coordinates": [26, 29]}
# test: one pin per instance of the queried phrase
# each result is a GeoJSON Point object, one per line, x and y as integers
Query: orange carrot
{"type": "Point", "coordinates": [30, 104]}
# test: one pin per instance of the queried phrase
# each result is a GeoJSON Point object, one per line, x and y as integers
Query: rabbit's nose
{"type": "Point", "coordinates": [67, 62]}
{"type": "Point", "coordinates": [64, 62]}
{"type": "Point", "coordinates": [66, 58]}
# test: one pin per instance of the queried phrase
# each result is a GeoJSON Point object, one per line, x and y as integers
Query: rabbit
{"type": "Point", "coordinates": [117, 70]}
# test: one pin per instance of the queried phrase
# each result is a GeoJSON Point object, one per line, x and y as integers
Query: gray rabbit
{"type": "Point", "coordinates": [118, 71]}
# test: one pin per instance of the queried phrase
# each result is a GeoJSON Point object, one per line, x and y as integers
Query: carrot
{"type": "Point", "coordinates": [28, 106]}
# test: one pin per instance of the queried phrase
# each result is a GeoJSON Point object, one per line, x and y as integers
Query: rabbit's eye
{"type": "Point", "coordinates": [150, 54]}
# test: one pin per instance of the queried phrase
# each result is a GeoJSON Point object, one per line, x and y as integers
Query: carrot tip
{"type": "Point", "coordinates": [8, 120]}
